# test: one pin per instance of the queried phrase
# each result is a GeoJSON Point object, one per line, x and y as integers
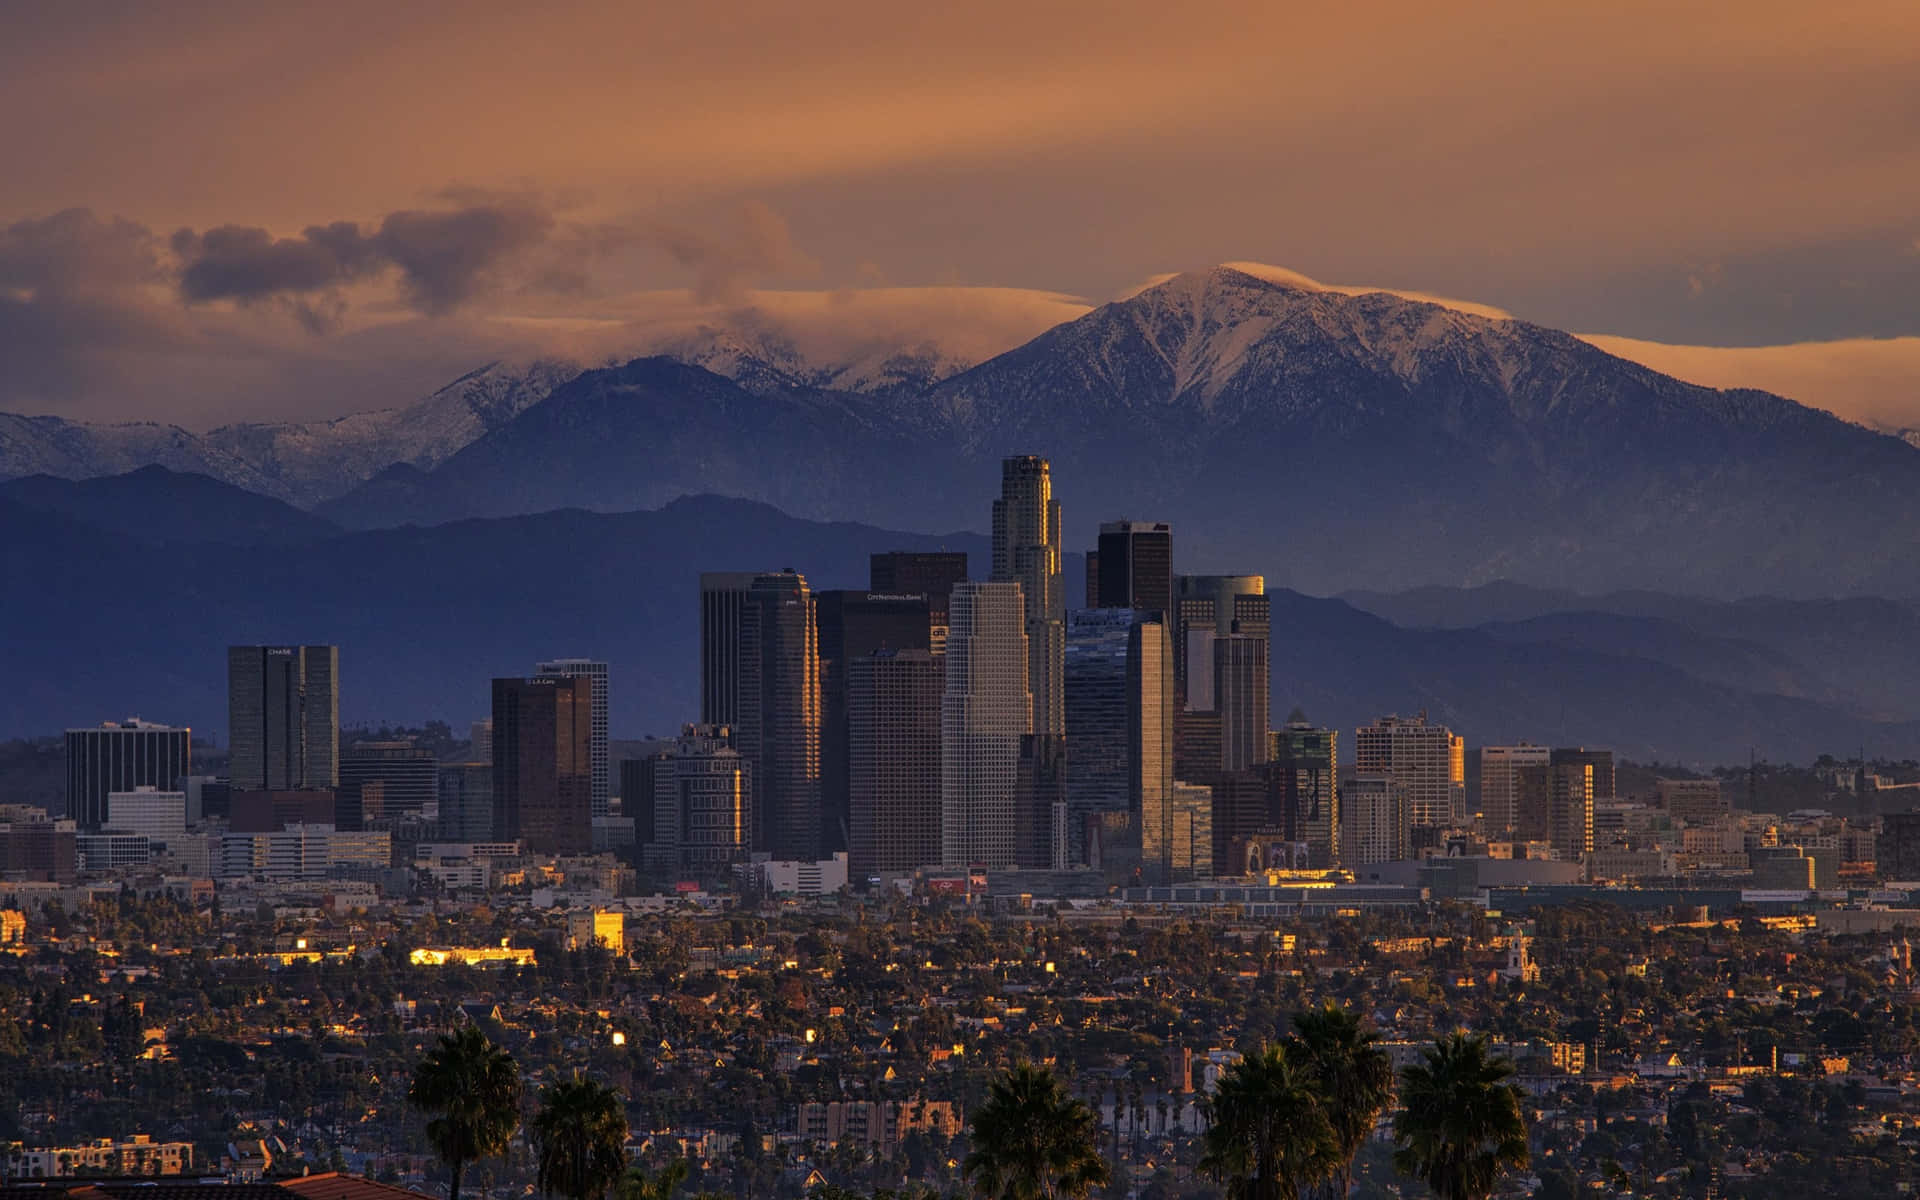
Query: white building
{"type": "Point", "coordinates": [1430, 761]}
{"type": "Point", "coordinates": [156, 815]}
{"type": "Point", "coordinates": [984, 712]}
{"type": "Point", "coordinates": [300, 852]}
{"type": "Point", "coordinates": [783, 877]}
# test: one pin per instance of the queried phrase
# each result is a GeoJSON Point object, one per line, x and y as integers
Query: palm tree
{"type": "Point", "coordinates": [636, 1184]}
{"type": "Point", "coordinates": [1032, 1140]}
{"type": "Point", "coordinates": [580, 1137]}
{"type": "Point", "coordinates": [1267, 1135]}
{"type": "Point", "coordinates": [475, 1087]}
{"type": "Point", "coordinates": [1351, 1073]}
{"type": "Point", "coordinates": [1460, 1124]}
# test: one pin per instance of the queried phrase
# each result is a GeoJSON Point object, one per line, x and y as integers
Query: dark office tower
{"type": "Point", "coordinates": [1305, 794]}
{"type": "Point", "coordinates": [893, 733]}
{"type": "Point", "coordinates": [283, 717]}
{"type": "Point", "coordinates": [1897, 852]}
{"type": "Point", "coordinates": [929, 573]}
{"type": "Point", "coordinates": [466, 802]}
{"type": "Point", "coordinates": [380, 781]}
{"type": "Point", "coordinates": [596, 673]}
{"type": "Point", "coordinates": [779, 726]}
{"type": "Point", "coordinates": [1119, 699]}
{"type": "Point", "coordinates": [1241, 699]}
{"type": "Point", "coordinates": [1040, 804]}
{"type": "Point", "coordinates": [119, 757]}
{"type": "Point", "coordinates": [543, 763]}
{"type": "Point", "coordinates": [1026, 551]}
{"type": "Point", "coordinates": [271, 812]}
{"type": "Point", "coordinates": [853, 625]}
{"type": "Point", "coordinates": [1134, 565]}
{"type": "Point", "coordinates": [1570, 810]}
{"type": "Point", "coordinates": [1093, 579]}
{"type": "Point", "coordinates": [1600, 760]}
{"type": "Point", "coordinates": [1206, 607]}
{"type": "Point", "coordinates": [723, 603]}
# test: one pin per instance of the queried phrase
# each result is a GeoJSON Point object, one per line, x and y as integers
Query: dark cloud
{"type": "Point", "coordinates": [75, 250]}
{"type": "Point", "coordinates": [442, 257]}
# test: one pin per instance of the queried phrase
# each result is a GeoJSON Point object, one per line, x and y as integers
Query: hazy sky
{"type": "Point", "coordinates": [222, 210]}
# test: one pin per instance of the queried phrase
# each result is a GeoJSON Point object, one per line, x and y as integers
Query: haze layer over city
{"type": "Point", "coordinates": [844, 602]}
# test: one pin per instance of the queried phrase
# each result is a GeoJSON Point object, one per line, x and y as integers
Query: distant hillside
{"type": "Point", "coordinates": [426, 616]}
{"type": "Point", "coordinates": [156, 505]}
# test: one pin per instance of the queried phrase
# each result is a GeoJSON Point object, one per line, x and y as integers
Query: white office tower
{"type": "Point", "coordinates": [1429, 761]}
{"type": "Point", "coordinates": [596, 673]}
{"type": "Point", "coordinates": [984, 712]}
{"type": "Point", "coordinates": [158, 815]}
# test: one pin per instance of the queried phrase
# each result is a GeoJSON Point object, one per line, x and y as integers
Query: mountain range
{"type": "Point", "coordinates": [1406, 458]}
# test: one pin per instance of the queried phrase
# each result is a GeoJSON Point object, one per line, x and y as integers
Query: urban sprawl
{"type": "Point", "coordinates": [942, 861]}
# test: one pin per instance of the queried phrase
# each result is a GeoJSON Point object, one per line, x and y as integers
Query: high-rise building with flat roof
{"type": "Point", "coordinates": [1429, 761]}
{"type": "Point", "coordinates": [1306, 789]}
{"type": "Point", "coordinates": [893, 736]}
{"type": "Point", "coordinates": [283, 717]}
{"type": "Point", "coordinates": [1026, 551]}
{"type": "Point", "coordinates": [723, 601]}
{"type": "Point", "coordinates": [595, 672]}
{"type": "Point", "coordinates": [1600, 760]}
{"type": "Point", "coordinates": [929, 573]}
{"type": "Point", "coordinates": [1133, 567]}
{"type": "Point", "coordinates": [1510, 777]}
{"type": "Point", "coordinates": [542, 763]}
{"type": "Point", "coordinates": [466, 801]}
{"type": "Point", "coordinates": [985, 710]}
{"type": "Point", "coordinates": [157, 814]}
{"type": "Point", "coordinates": [120, 756]}
{"type": "Point", "coordinates": [1696, 801]}
{"type": "Point", "coordinates": [1221, 630]}
{"type": "Point", "coordinates": [692, 803]}
{"type": "Point", "coordinates": [1118, 676]}
{"type": "Point", "coordinates": [779, 726]}
{"type": "Point", "coordinates": [1373, 821]}
{"type": "Point", "coordinates": [381, 781]}
{"type": "Point", "coordinates": [852, 625]}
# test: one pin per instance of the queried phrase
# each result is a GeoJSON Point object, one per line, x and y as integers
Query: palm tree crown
{"type": "Point", "coordinates": [1461, 1123]}
{"type": "Point", "coordinates": [1033, 1141]}
{"type": "Point", "coordinates": [580, 1136]}
{"type": "Point", "coordinates": [1352, 1075]}
{"type": "Point", "coordinates": [1267, 1136]}
{"type": "Point", "coordinates": [474, 1086]}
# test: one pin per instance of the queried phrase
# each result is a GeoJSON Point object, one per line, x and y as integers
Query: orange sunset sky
{"type": "Point", "coordinates": [215, 212]}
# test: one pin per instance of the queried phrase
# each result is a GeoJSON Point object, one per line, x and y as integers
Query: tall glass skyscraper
{"type": "Point", "coordinates": [1133, 567]}
{"type": "Point", "coordinates": [595, 673]}
{"type": "Point", "coordinates": [1118, 679]}
{"type": "Point", "coordinates": [283, 717]}
{"type": "Point", "coordinates": [779, 726]}
{"type": "Point", "coordinates": [1026, 551]}
{"type": "Point", "coordinates": [985, 710]}
{"type": "Point", "coordinates": [542, 765]}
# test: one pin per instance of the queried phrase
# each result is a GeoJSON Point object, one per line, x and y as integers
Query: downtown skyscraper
{"type": "Point", "coordinates": [595, 673]}
{"type": "Point", "coordinates": [543, 763]}
{"type": "Point", "coordinates": [760, 676]}
{"type": "Point", "coordinates": [985, 711]}
{"type": "Point", "coordinates": [1026, 551]}
{"type": "Point", "coordinates": [1133, 567]}
{"type": "Point", "coordinates": [1118, 674]}
{"type": "Point", "coordinates": [1428, 761]}
{"type": "Point", "coordinates": [283, 717]}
